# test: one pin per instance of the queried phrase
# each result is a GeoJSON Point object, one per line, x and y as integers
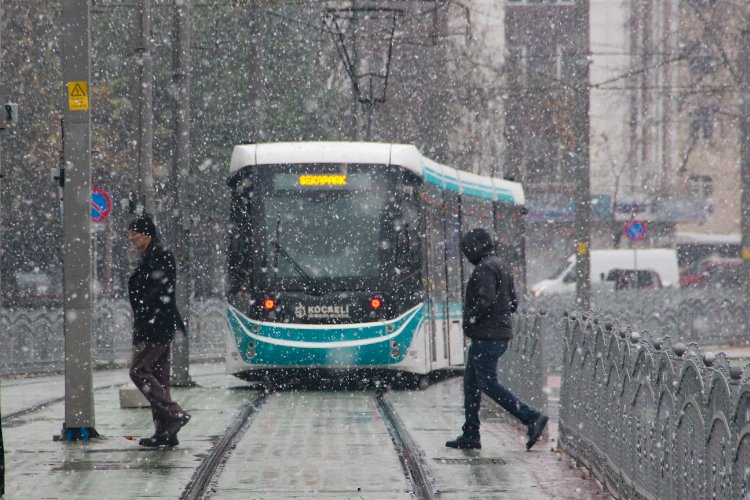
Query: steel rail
{"type": "Point", "coordinates": [218, 455]}
{"type": "Point", "coordinates": [408, 453]}
{"type": "Point", "coordinates": [45, 403]}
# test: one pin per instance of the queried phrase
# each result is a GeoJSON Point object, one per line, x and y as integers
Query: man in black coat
{"type": "Point", "coordinates": [490, 301]}
{"type": "Point", "coordinates": [151, 289]}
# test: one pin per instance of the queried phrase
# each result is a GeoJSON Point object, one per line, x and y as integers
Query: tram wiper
{"type": "Point", "coordinates": [278, 249]}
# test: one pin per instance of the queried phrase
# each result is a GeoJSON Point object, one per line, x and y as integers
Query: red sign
{"type": "Point", "coordinates": [101, 205]}
{"type": "Point", "coordinates": [635, 230]}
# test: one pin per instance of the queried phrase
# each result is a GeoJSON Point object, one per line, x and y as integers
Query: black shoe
{"type": "Point", "coordinates": [180, 422]}
{"type": "Point", "coordinates": [536, 427]}
{"type": "Point", "coordinates": [158, 441]}
{"type": "Point", "coordinates": [465, 443]}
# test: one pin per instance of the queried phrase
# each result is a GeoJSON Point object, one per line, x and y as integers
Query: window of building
{"type": "Point", "coordinates": [566, 61]}
{"type": "Point", "coordinates": [702, 120]}
{"type": "Point", "coordinates": [702, 59]}
{"type": "Point", "coordinates": [700, 186]}
{"type": "Point", "coordinates": [516, 64]}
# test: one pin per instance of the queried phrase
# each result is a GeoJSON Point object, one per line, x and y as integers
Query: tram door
{"type": "Point", "coordinates": [437, 328]}
{"type": "Point", "coordinates": [454, 300]}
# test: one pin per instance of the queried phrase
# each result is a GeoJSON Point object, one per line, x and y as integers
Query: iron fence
{"type": "Point", "coordinates": [523, 367]}
{"type": "Point", "coordinates": [35, 342]}
{"type": "Point", "coordinates": [652, 419]}
{"type": "Point", "coordinates": [704, 316]}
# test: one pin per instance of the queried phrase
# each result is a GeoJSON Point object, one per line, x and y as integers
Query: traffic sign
{"type": "Point", "coordinates": [101, 205]}
{"type": "Point", "coordinates": [635, 230]}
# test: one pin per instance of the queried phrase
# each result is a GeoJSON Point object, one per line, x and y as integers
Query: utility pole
{"type": "Point", "coordinates": [76, 66]}
{"type": "Point", "coordinates": [181, 183]}
{"type": "Point", "coordinates": [144, 197]}
{"type": "Point", "coordinates": [745, 160]}
{"type": "Point", "coordinates": [581, 156]}
{"type": "Point", "coordinates": [2, 99]}
{"type": "Point", "coordinates": [144, 93]}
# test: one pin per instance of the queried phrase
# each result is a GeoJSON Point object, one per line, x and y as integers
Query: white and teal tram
{"type": "Point", "coordinates": [344, 257]}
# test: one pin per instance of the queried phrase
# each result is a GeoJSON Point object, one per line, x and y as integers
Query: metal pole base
{"type": "Point", "coordinates": [77, 434]}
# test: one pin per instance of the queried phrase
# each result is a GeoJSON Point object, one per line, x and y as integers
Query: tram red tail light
{"type": "Point", "coordinates": [376, 303]}
{"type": "Point", "coordinates": [269, 304]}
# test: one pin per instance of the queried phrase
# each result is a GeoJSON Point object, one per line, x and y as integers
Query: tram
{"type": "Point", "coordinates": [344, 257]}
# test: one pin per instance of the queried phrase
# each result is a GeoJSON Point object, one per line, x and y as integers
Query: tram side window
{"type": "Point", "coordinates": [408, 237]}
{"type": "Point", "coordinates": [240, 237]}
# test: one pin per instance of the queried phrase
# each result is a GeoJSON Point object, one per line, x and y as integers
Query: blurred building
{"type": "Point", "coordinates": [664, 135]}
{"type": "Point", "coordinates": [539, 127]}
{"type": "Point", "coordinates": [684, 119]}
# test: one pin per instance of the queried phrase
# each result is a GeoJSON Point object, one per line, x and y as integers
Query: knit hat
{"type": "Point", "coordinates": [143, 224]}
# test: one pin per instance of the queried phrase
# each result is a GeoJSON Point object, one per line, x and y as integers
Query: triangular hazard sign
{"type": "Point", "coordinates": [77, 91]}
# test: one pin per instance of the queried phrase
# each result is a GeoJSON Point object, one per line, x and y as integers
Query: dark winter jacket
{"type": "Point", "coordinates": [490, 294]}
{"type": "Point", "coordinates": [151, 289]}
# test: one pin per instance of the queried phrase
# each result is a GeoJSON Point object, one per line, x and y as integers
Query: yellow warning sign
{"type": "Point", "coordinates": [78, 96]}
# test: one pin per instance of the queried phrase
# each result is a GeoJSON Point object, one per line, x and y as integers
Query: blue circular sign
{"type": "Point", "coordinates": [635, 230]}
{"type": "Point", "coordinates": [101, 205]}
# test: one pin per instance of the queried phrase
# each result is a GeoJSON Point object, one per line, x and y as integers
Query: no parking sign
{"type": "Point", "coordinates": [635, 230]}
{"type": "Point", "coordinates": [101, 205]}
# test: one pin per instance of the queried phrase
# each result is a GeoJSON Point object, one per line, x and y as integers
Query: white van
{"type": "Point", "coordinates": [661, 260]}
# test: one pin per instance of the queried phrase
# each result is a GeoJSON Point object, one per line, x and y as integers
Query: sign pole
{"type": "Point", "coordinates": [2, 96]}
{"type": "Point", "coordinates": [582, 127]}
{"type": "Point", "coordinates": [77, 254]}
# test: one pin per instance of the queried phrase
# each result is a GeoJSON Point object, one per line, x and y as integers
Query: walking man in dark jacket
{"type": "Point", "coordinates": [490, 301]}
{"type": "Point", "coordinates": [151, 290]}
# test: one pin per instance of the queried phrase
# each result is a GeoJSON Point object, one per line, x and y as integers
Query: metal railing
{"type": "Point", "coordinates": [35, 343]}
{"type": "Point", "coordinates": [652, 419]}
{"type": "Point", "coordinates": [702, 315]}
{"type": "Point", "coordinates": [523, 367]}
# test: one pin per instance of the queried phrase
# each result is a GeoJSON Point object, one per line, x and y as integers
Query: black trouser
{"type": "Point", "coordinates": [149, 371]}
{"type": "Point", "coordinates": [480, 376]}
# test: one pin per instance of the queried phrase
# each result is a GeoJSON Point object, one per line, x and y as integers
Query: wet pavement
{"type": "Point", "coordinates": [299, 444]}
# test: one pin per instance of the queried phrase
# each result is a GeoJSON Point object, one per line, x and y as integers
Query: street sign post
{"type": "Point", "coordinates": [635, 230]}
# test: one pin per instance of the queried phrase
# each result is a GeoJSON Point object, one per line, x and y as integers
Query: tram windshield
{"type": "Point", "coordinates": [332, 226]}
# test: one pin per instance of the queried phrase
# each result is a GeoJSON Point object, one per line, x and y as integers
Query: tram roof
{"type": "Point", "coordinates": [403, 155]}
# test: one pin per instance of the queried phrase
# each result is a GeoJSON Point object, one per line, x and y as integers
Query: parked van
{"type": "Point", "coordinates": [663, 261]}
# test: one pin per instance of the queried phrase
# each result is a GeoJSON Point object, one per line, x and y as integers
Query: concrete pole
{"type": "Point", "coordinates": [181, 182]}
{"type": "Point", "coordinates": [144, 92]}
{"type": "Point", "coordinates": [2, 97]}
{"type": "Point", "coordinates": [581, 157]}
{"type": "Point", "coordinates": [745, 160]}
{"type": "Point", "coordinates": [76, 64]}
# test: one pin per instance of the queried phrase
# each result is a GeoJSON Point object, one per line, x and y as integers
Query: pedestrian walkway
{"type": "Point", "coordinates": [503, 468]}
{"type": "Point", "coordinates": [116, 467]}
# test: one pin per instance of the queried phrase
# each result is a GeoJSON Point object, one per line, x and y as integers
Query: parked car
{"type": "Point", "coordinates": [713, 271]}
{"type": "Point", "coordinates": [642, 279]}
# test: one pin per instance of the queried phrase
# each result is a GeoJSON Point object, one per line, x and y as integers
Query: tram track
{"type": "Point", "coordinates": [409, 455]}
{"type": "Point", "coordinates": [219, 453]}
{"type": "Point", "coordinates": [47, 402]}
{"type": "Point", "coordinates": [41, 405]}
